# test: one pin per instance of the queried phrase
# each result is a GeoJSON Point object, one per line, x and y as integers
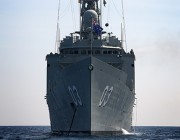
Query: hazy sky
{"type": "Point", "coordinates": [27, 34]}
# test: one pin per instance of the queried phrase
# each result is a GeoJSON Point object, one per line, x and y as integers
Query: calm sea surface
{"type": "Point", "coordinates": [44, 132]}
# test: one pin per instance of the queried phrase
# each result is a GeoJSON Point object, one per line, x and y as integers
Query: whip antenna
{"type": "Point", "coordinates": [57, 42]}
{"type": "Point", "coordinates": [124, 24]}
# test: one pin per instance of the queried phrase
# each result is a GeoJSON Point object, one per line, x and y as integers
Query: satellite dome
{"type": "Point", "coordinates": [89, 15]}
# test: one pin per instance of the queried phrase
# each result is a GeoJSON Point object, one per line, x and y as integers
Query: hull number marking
{"type": "Point", "coordinates": [75, 96]}
{"type": "Point", "coordinates": [105, 96]}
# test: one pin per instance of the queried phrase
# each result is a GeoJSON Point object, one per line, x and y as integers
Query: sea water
{"type": "Point", "coordinates": [44, 132]}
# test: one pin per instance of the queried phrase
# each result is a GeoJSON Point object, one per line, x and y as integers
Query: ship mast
{"type": "Point", "coordinates": [89, 12]}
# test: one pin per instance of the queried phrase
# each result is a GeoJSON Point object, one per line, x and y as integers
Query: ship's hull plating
{"type": "Point", "coordinates": [89, 96]}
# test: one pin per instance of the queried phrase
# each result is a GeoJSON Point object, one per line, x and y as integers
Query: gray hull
{"type": "Point", "coordinates": [88, 96]}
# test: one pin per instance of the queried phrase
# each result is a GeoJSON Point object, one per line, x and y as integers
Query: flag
{"type": "Point", "coordinates": [96, 28]}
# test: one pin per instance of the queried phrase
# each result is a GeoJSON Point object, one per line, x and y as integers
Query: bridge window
{"type": "Point", "coordinates": [71, 52]}
{"type": "Point", "coordinates": [76, 52]}
{"type": "Point", "coordinates": [97, 51]}
{"type": "Point", "coordinates": [104, 52]}
{"type": "Point", "coordinates": [115, 52]}
{"type": "Point", "coordinates": [109, 52]}
{"type": "Point", "coordinates": [89, 52]}
{"type": "Point", "coordinates": [83, 51]}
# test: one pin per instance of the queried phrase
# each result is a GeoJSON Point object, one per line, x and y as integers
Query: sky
{"type": "Point", "coordinates": [28, 33]}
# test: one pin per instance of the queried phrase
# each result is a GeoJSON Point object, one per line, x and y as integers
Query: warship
{"type": "Point", "coordinates": [91, 79]}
